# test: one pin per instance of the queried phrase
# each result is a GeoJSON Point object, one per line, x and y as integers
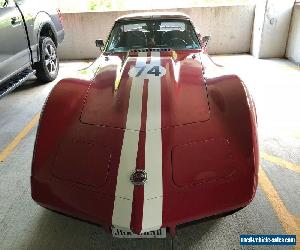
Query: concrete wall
{"type": "Point", "coordinates": [271, 27]}
{"type": "Point", "coordinates": [293, 48]}
{"type": "Point", "coordinates": [230, 28]}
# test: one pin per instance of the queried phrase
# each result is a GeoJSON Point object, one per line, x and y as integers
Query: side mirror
{"type": "Point", "coordinates": [99, 43]}
{"type": "Point", "coordinates": [204, 41]}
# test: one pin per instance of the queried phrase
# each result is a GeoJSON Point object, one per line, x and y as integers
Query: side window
{"type": "Point", "coordinates": [3, 3]}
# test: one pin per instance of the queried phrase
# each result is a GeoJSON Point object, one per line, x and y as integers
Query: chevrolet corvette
{"type": "Point", "coordinates": [150, 140]}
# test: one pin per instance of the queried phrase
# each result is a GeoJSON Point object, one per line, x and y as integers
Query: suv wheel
{"type": "Point", "coordinates": [48, 66]}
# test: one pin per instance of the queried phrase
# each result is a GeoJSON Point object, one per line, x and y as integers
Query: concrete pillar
{"type": "Point", "coordinates": [293, 48]}
{"type": "Point", "coordinates": [271, 28]}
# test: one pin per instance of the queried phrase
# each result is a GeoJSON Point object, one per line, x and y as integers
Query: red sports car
{"type": "Point", "coordinates": [151, 141]}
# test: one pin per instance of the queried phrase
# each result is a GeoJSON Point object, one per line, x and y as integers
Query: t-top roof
{"type": "Point", "coordinates": [154, 15]}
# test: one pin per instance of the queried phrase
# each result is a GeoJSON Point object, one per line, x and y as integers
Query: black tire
{"type": "Point", "coordinates": [48, 66]}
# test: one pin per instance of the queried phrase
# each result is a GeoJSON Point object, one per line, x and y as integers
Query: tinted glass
{"type": "Point", "coordinates": [175, 34]}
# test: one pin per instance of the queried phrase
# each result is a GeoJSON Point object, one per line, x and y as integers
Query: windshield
{"type": "Point", "coordinates": [175, 34]}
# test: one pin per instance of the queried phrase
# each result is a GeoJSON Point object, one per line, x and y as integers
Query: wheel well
{"type": "Point", "coordinates": [48, 32]}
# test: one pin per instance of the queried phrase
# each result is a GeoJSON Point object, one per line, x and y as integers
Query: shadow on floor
{"type": "Point", "coordinates": [29, 84]}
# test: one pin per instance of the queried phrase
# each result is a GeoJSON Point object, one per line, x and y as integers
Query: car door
{"type": "Point", "coordinates": [14, 52]}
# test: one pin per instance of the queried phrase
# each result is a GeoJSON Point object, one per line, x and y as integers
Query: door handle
{"type": "Point", "coordinates": [15, 21]}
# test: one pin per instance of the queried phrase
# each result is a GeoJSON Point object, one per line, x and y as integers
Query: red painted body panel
{"type": "Point", "coordinates": [208, 136]}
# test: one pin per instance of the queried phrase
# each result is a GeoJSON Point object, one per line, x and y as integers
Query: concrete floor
{"type": "Point", "coordinates": [275, 86]}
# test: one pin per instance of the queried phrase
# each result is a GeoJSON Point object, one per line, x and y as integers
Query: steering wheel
{"type": "Point", "coordinates": [175, 41]}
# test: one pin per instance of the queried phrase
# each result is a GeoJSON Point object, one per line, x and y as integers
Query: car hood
{"type": "Point", "coordinates": [147, 90]}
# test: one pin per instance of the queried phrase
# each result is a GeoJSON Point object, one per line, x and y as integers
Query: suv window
{"type": "Point", "coordinates": [3, 3]}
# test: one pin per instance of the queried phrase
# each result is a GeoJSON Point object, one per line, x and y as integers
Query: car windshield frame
{"type": "Point", "coordinates": [154, 37]}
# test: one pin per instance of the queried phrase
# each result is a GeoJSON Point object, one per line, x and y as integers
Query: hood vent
{"type": "Point", "coordinates": [177, 97]}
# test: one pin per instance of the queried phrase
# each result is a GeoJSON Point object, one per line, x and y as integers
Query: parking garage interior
{"type": "Point", "coordinates": [262, 48]}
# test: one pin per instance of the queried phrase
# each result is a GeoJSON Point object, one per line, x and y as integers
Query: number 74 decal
{"type": "Point", "coordinates": [147, 71]}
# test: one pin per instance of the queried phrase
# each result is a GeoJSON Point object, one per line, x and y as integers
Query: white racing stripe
{"type": "Point", "coordinates": [124, 189]}
{"type": "Point", "coordinates": [153, 189]}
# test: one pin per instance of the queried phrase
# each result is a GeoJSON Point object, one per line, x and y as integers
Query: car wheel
{"type": "Point", "coordinates": [48, 66]}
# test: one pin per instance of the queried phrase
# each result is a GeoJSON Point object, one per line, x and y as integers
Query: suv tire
{"type": "Point", "coordinates": [48, 66]}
